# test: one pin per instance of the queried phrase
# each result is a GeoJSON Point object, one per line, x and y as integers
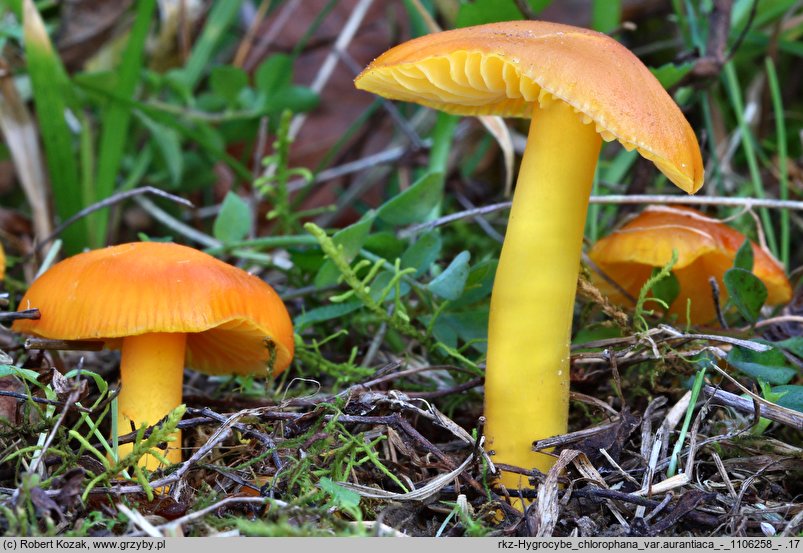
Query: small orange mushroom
{"type": "Point", "coordinates": [706, 248]}
{"type": "Point", "coordinates": [163, 305]}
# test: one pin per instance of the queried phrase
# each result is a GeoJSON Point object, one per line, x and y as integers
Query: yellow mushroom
{"type": "Point", "coordinates": [578, 87]}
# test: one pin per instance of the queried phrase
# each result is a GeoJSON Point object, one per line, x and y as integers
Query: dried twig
{"type": "Point", "coordinates": [174, 224]}
{"type": "Point", "coordinates": [168, 527]}
{"type": "Point", "coordinates": [24, 397]}
{"type": "Point", "coordinates": [419, 494]}
{"type": "Point", "coordinates": [746, 203]}
{"type": "Point", "coordinates": [63, 345]}
{"type": "Point", "coordinates": [108, 202]}
{"type": "Point", "coordinates": [246, 430]}
{"type": "Point", "coordinates": [696, 517]}
{"type": "Point", "coordinates": [31, 314]}
{"type": "Point", "coordinates": [770, 411]}
{"type": "Point", "coordinates": [325, 72]}
{"type": "Point", "coordinates": [218, 436]}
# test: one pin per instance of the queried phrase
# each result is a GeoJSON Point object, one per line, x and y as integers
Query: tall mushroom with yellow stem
{"type": "Point", "coordinates": [163, 305]}
{"type": "Point", "coordinates": [578, 87]}
{"type": "Point", "coordinates": [706, 248]}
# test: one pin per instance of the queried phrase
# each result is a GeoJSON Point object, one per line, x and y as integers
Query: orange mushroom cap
{"type": "Point", "coordinates": [503, 68]}
{"type": "Point", "coordinates": [2, 263]}
{"type": "Point", "coordinates": [706, 247]}
{"type": "Point", "coordinates": [153, 287]}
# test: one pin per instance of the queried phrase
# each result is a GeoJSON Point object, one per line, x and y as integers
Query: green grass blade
{"type": "Point", "coordinates": [14, 5]}
{"type": "Point", "coordinates": [51, 89]}
{"type": "Point", "coordinates": [169, 119]}
{"type": "Point", "coordinates": [783, 169]}
{"type": "Point", "coordinates": [592, 219]}
{"type": "Point", "coordinates": [442, 138]}
{"type": "Point", "coordinates": [87, 157]}
{"type": "Point", "coordinates": [220, 17]}
{"type": "Point", "coordinates": [606, 15]}
{"type": "Point", "coordinates": [735, 95]}
{"type": "Point", "coordinates": [708, 118]}
{"type": "Point", "coordinates": [116, 119]}
{"type": "Point", "coordinates": [313, 28]}
{"type": "Point", "coordinates": [699, 380]}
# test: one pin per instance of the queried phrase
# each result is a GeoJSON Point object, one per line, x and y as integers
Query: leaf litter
{"type": "Point", "coordinates": [399, 451]}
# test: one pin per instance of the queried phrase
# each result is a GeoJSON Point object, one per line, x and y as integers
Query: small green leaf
{"type": "Point", "coordinates": [793, 345]}
{"type": "Point", "coordinates": [470, 326]}
{"type": "Point", "coordinates": [746, 292]}
{"type": "Point", "coordinates": [593, 333]}
{"type": "Point", "coordinates": [234, 220]}
{"type": "Point", "coordinates": [274, 74]}
{"type": "Point", "coordinates": [606, 15]}
{"type": "Point", "coordinates": [415, 203]}
{"type": "Point", "coordinates": [227, 81]}
{"type": "Point", "coordinates": [385, 244]}
{"type": "Point", "coordinates": [208, 102]}
{"type": "Point", "coordinates": [275, 92]}
{"type": "Point", "coordinates": [480, 12]}
{"type": "Point", "coordinates": [451, 282]}
{"type": "Point", "coordinates": [744, 257]}
{"type": "Point", "coordinates": [352, 238]}
{"type": "Point", "coordinates": [791, 396]}
{"type": "Point", "coordinates": [167, 144]}
{"type": "Point", "coordinates": [342, 498]}
{"type": "Point", "coordinates": [11, 370]}
{"type": "Point", "coordinates": [767, 365]}
{"type": "Point", "coordinates": [667, 288]}
{"type": "Point", "coordinates": [423, 253]}
{"type": "Point", "coordinates": [325, 313]}
{"type": "Point", "coordinates": [479, 283]}
{"type": "Point", "coordinates": [670, 74]}
{"type": "Point", "coordinates": [294, 98]}
{"type": "Point", "coordinates": [381, 282]}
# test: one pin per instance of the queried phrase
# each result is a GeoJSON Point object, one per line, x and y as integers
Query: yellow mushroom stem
{"type": "Point", "coordinates": [527, 375]}
{"type": "Point", "coordinates": [151, 371]}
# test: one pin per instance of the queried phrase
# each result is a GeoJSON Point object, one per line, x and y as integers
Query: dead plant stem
{"type": "Point", "coordinates": [746, 203]}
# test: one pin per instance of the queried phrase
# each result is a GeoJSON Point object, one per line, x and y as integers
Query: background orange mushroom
{"type": "Point", "coordinates": [706, 247]}
{"type": "Point", "coordinates": [163, 304]}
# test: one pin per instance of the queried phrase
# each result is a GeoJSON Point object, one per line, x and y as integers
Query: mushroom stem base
{"type": "Point", "coordinates": [151, 370]}
{"type": "Point", "coordinates": [527, 375]}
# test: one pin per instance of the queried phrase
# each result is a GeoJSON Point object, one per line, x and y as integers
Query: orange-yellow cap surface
{"type": "Point", "coordinates": [503, 68]}
{"type": "Point", "coordinates": [706, 247]}
{"type": "Point", "coordinates": [2, 263]}
{"type": "Point", "coordinates": [145, 287]}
